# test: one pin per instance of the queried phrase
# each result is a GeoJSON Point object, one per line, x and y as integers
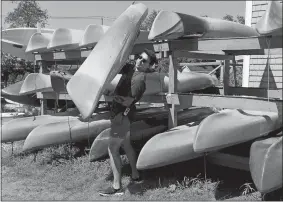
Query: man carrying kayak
{"type": "Point", "coordinates": [128, 91]}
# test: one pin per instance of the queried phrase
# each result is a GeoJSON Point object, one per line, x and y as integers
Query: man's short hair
{"type": "Point", "coordinates": [152, 56]}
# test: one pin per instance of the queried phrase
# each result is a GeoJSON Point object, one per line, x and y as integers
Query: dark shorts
{"type": "Point", "coordinates": [120, 126]}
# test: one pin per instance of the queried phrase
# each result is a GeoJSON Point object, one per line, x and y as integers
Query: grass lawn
{"type": "Point", "coordinates": [56, 176]}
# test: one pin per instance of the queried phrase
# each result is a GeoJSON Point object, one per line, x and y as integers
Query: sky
{"type": "Point", "coordinates": [215, 9]}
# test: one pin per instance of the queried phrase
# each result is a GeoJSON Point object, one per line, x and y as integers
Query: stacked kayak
{"type": "Point", "coordinates": [92, 34]}
{"type": "Point", "coordinates": [12, 92]}
{"type": "Point", "coordinates": [15, 41]}
{"type": "Point", "coordinates": [158, 82]}
{"type": "Point", "coordinates": [18, 129]}
{"type": "Point", "coordinates": [271, 22]}
{"type": "Point", "coordinates": [36, 82]}
{"type": "Point", "coordinates": [140, 128]}
{"type": "Point", "coordinates": [142, 131]}
{"type": "Point", "coordinates": [215, 132]}
{"type": "Point", "coordinates": [66, 39]}
{"type": "Point", "coordinates": [66, 131]}
{"type": "Point", "coordinates": [76, 130]}
{"type": "Point", "coordinates": [172, 25]}
{"type": "Point", "coordinates": [266, 164]}
{"type": "Point", "coordinates": [38, 42]}
{"type": "Point", "coordinates": [173, 146]}
{"type": "Point", "coordinates": [231, 127]}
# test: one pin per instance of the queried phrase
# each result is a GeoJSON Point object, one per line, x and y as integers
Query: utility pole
{"type": "Point", "coordinates": [101, 20]}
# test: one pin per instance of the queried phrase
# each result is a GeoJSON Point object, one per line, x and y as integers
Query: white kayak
{"type": "Point", "coordinates": [16, 50]}
{"type": "Point", "coordinates": [266, 164]}
{"type": "Point", "coordinates": [11, 92]}
{"type": "Point", "coordinates": [173, 25]}
{"type": "Point", "coordinates": [173, 146]}
{"type": "Point", "coordinates": [22, 35]}
{"type": "Point", "coordinates": [271, 22]}
{"type": "Point", "coordinates": [36, 82]}
{"type": "Point", "coordinates": [65, 39]}
{"type": "Point", "coordinates": [66, 131]}
{"type": "Point", "coordinates": [141, 132]}
{"type": "Point", "coordinates": [155, 82]}
{"type": "Point", "coordinates": [92, 35]}
{"type": "Point", "coordinates": [38, 42]}
{"type": "Point", "coordinates": [233, 126]}
{"type": "Point", "coordinates": [15, 40]}
{"type": "Point", "coordinates": [18, 129]}
{"type": "Point", "coordinates": [77, 130]}
{"type": "Point", "coordinates": [108, 57]}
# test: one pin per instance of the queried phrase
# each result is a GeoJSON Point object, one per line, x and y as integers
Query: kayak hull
{"type": "Point", "coordinates": [77, 130]}
{"type": "Point", "coordinates": [108, 57]}
{"type": "Point", "coordinates": [173, 146]}
{"type": "Point", "coordinates": [36, 82]}
{"type": "Point", "coordinates": [266, 164]}
{"type": "Point", "coordinates": [18, 129]}
{"type": "Point", "coordinates": [172, 25]}
{"type": "Point", "coordinates": [231, 127]}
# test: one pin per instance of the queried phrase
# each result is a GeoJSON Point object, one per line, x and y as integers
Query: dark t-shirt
{"type": "Point", "coordinates": [131, 84]}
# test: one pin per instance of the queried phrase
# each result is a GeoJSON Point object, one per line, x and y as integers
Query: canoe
{"type": "Point", "coordinates": [266, 164]}
{"type": "Point", "coordinates": [92, 35]}
{"type": "Point", "coordinates": [141, 132]}
{"type": "Point", "coordinates": [65, 39]}
{"type": "Point", "coordinates": [18, 129]}
{"type": "Point", "coordinates": [231, 127]}
{"type": "Point", "coordinates": [77, 130]}
{"type": "Point", "coordinates": [271, 22]}
{"type": "Point", "coordinates": [186, 82]}
{"type": "Point", "coordinates": [15, 40]}
{"type": "Point", "coordinates": [173, 25]}
{"type": "Point", "coordinates": [155, 82]}
{"type": "Point", "coordinates": [140, 128]}
{"type": "Point", "coordinates": [16, 50]}
{"type": "Point", "coordinates": [38, 42]}
{"type": "Point", "coordinates": [173, 146]}
{"type": "Point", "coordinates": [22, 35]}
{"type": "Point", "coordinates": [11, 92]}
{"type": "Point", "coordinates": [108, 57]}
{"type": "Point", "coordinates": [66, 131]}
{"type": "Point", "coordinates": [36, 82]}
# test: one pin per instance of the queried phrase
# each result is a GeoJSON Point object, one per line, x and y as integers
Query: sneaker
{"type": "Point", "coordinates": [110, 191]}
{"type": "Point", "coordinates": [136, 180]}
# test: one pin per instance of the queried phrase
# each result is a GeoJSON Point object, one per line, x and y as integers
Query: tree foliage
{"type": "Point", "coordinates": [228, 17]}
{"type": "Point", "coordinates": [27, 14]}
{"type": "Point", "coordinates": [147, 23]}
{"type": "Point", "coordinates": [14, 69]}
{"type": "Point", "coordinates": [240, 19]}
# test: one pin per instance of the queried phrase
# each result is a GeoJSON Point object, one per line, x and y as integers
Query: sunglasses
{"type": "Point", "coordinates": [142, 59]}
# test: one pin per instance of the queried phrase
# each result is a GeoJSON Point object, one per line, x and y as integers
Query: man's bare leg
{"type": "Point", "coordinates": [115, 160]}
{"type": "Point", "coordinates": [131, 155]}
